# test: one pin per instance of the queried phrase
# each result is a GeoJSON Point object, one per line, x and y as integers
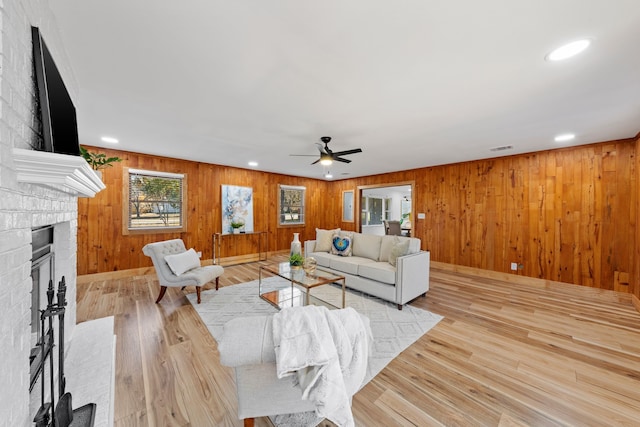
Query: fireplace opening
{"type": "Point", "coordinates": [42, 271]}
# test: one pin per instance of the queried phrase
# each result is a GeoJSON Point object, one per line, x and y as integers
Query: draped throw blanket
{"type": "Point", "coordinates": [326, 352]}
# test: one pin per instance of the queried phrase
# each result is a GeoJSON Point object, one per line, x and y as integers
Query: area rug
{"type": "Point", "coordinates": [393, 330]}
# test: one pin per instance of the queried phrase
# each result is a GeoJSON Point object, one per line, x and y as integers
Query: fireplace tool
{"type": "Point", "coordinates": [63, 414]}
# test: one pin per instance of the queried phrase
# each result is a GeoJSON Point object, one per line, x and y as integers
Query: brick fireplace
{"type": "Point", "coordinates": [36, 189]}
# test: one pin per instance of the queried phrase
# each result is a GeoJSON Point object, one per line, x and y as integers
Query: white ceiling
{"type": "Point", "coordinates": [414, 83]}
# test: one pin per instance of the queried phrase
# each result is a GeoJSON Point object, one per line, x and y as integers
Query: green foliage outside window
{"type": "Point", "coordinates": [155, 201]}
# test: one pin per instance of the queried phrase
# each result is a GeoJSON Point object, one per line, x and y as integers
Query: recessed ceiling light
{"type": "Point", "coordinates": [109, 139]}
{"type": "Point", "coordinates": [564, 137]}
{"type": "Point", "coordinates": [328, 175]}
{"type": "Point", "coordinates": [253, 164]}
{"type": "Point", "coordinates": [568, 50]}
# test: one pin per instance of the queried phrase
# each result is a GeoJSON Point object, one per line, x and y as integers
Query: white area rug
{"type": "Point", "coordinates": [393, 330]}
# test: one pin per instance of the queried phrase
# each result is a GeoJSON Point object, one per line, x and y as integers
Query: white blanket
{"type": "Point", "coordinates": [327, 351]}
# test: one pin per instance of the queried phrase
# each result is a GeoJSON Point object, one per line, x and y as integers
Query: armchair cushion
{"type": "Point", "coordinates": [182, 262]}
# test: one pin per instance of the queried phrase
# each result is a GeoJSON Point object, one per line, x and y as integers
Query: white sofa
{"type": "Point", "coordinates": [368, 269]}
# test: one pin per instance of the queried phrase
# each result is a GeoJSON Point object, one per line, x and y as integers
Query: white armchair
{"type": "Point", "coordinates": [196, 276]}
{"type": "Point", "coordinates": [247, 345]}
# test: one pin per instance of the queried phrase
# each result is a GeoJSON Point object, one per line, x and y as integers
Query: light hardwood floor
{"type": "Point", "coordinates": [506, 354]}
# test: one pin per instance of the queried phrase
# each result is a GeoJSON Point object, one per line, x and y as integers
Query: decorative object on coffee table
{"type": "Point", "coordinates": [296, 260]}
{"type": "Point", "coordinates": [309, 265]}
{"type": "Point", "coordinates": [296, 246]}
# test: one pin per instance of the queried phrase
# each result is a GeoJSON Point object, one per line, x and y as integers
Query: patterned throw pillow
{"type": "Point", "coordinates": [398, 249]}
{"type": "Point", "coordinates": [341, 245]}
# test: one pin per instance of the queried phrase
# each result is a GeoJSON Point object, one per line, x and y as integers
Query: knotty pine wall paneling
{"type": "Point", "coordinates": [103, 248]}
{"type": "Point", "coordinates": [565, 215]}
{"type": "Point", "coordinates": [635, 274]}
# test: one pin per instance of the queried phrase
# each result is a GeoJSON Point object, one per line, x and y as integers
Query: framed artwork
{"type": "Point", "coordinates": [237, 209]}
{"type": "Point", "coordinates": [291, 205]}
{"type": "Point", "coordinates": [347, 206]}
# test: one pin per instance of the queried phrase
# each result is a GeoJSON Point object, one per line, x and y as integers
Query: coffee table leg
{"type": "Point", "coordinates": [343, 296]}
{"type": "Point", "coordinates": [307, 297]}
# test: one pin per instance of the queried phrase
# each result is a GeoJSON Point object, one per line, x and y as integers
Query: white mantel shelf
{"type": "Point", "coordinates": [57, 170]}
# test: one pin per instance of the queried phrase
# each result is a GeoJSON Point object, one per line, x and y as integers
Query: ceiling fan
{"type": "Point", "coordinates": [327, 156]}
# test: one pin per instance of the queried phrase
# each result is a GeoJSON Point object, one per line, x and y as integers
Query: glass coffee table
{"type": "Point", "coordinates": [299, 293]}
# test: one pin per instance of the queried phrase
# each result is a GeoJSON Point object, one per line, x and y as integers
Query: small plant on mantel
{"type": "Point", "coordinates": [98, 161]}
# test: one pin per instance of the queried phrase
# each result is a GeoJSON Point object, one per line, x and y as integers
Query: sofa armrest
{"type": "Point", "coordinates": [309, 247]}
{"type": "Point", "coordinates": [412, 276]}
{"type": "Point", "coordinates": [247, 341]}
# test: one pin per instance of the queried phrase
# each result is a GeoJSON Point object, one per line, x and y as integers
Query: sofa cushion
{"type": "Point", "coordinates": [349, 265]}
{"type": "Point", "coordinates": [367, 246]}
{"type": "Point", "coordinates": [323, 239]}
{"type": "Point", "coordinates": [185, 261]}
{"type": "Point", "coordinates": [322, 258]}
{"type": "Point", "coordinates": [341, 245]}
{"type": "Point", "coordinates": [378, 271]}
{"type": "Point", "coordinates": [400, 248]}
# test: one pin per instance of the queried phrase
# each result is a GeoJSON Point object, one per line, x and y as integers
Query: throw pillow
{"type": "Point", "coordinates": [399, 249]}
{"type": "Point", "coordinates": [367, 246]}
{"type": "Point", "coordinates": [323, 239]}
{"type": "Point", "coordinates": [341, 245]}
{"type": "Point", "coordinates": [183, 262]}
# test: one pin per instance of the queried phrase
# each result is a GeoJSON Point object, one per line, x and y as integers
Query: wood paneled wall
{"type": "Point", "coordinates": [566, 215]}
{"type": "Point", "coordinates": [635, 281]}
{"type": "Point", "coordinates": [103, 248]}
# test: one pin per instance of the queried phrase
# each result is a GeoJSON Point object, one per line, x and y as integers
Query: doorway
{"type": "Point", "coordinates": [377, 203]}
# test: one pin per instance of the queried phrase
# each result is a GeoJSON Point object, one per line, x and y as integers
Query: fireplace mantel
{"type": "Point", "coordinates": [57, 170]}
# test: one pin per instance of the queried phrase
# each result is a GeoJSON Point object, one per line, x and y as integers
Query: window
{"type": "Point", "coordinates": [291, 205]}
{"type": "Point", "coordinates": [347, 206]}
{"type": "Point", "coordinates": [374, 210]}
{"type": "Point", "coordinates": [156, 200]}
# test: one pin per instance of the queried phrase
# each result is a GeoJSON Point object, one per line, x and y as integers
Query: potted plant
{"type": "Point", "coordinates": [296, 260]}
{"type": "Point", "coordinates": [237, 224]}
{"type": "Point", "coordinates": [98, 161]}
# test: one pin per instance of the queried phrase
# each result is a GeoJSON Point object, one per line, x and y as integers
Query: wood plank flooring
{"type": "Point", "coordinates": [506, 354]}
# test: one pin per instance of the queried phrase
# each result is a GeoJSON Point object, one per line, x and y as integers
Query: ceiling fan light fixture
{"type": "Point", "coordinates": [326, 160]}
{"type": "Point", "coordinates": [568, 50]}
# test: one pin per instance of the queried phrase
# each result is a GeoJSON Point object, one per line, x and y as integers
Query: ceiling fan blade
{"type": "Point", "coordinates": [315, 162]}
{"type": "Point", "coordinates": [340, 159]}
{"type": "Point", "coordinates": [344, 153]}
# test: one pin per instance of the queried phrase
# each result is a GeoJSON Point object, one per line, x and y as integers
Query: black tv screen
{"type": "Point", "coordinates": [59, 124]}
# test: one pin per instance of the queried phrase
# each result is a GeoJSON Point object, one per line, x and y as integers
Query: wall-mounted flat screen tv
{"type": "Point", "coordinates": [59, 124]}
